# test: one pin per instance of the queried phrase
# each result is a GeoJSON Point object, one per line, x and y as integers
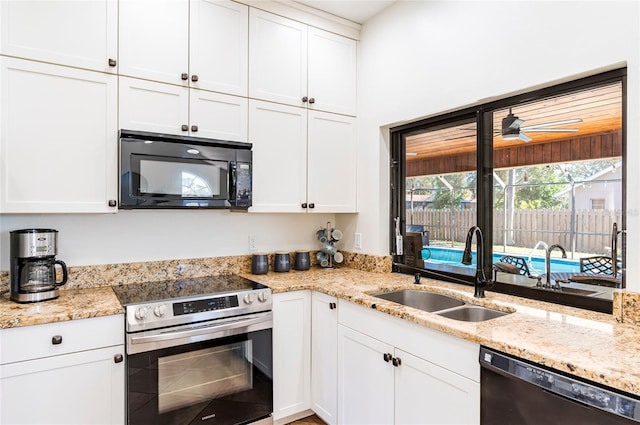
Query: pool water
{"type": "Point", "coordinates": [453, 256]}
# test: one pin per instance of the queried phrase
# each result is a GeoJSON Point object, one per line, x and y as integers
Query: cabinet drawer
{"type": "Point", "coordinates": [33, 342]}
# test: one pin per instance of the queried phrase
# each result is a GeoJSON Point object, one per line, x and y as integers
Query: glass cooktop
{"type": "Point", "coordinates": [138, 293]}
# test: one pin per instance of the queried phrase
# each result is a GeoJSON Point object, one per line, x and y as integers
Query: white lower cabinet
{"type": "Point", "coordinates": [324, 356]}
{"type": "Point", "coordinates": [291, 353]}
{"type": "Point", "coordinates": [392, 371]}
{"type": "Point", "coordinates": [64, 373]}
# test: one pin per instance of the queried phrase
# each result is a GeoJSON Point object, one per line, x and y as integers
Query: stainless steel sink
{"type": "Point", "coordinates": [472, 313]}
{"type": "Point", "coordinates": [422, 300]}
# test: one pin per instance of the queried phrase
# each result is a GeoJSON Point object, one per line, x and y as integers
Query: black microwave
{"type": "Point", "coordinates": [168, 171]}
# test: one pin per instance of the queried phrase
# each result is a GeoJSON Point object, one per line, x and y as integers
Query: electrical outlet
{"type": "Point", "coordinates": [357, 243]}
{"type": "Point", "coordinates": [253, 245]}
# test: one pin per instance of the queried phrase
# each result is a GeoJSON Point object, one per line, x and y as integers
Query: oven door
{"type": "Point", "coordinates": [219, 377]}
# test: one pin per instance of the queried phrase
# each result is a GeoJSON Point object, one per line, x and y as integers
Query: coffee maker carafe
{"type": "Point", "coordinates": [32, 271]}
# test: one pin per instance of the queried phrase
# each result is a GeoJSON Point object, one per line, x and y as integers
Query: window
{"type": "Point", "coordinates": [538, 169]}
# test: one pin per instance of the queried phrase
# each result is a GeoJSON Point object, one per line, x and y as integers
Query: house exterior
{"type": "Point", "coordinates": [602, 191]}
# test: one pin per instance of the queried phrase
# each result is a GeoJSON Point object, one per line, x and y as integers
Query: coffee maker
{"type": "Point", "coordinates": [32, 263]}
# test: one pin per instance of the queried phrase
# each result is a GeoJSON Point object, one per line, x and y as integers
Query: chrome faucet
{"type": "Point", "coordinates": [480, 281]}
{"type": "Point", "coordinates": [548, 264]}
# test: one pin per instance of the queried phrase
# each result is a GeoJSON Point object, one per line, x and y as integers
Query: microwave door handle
{"type": "Point", "coordinates": [233, 181]}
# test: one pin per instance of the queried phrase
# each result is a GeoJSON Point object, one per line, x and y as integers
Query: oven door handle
{"type": "Point", "coordinates": [204, 332]}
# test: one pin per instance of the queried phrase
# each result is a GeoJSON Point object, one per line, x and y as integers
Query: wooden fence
{"type": "Point", "coordinates": [592, 228]}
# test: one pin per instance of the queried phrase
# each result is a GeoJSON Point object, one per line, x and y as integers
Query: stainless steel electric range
{"type": "Point", "coordinates": [199, 351]}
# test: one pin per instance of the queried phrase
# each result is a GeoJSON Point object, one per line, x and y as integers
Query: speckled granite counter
{"type": "Point", "coordinates": [584, 343]}
{"type": "Point", "coordinates": [71, 305]}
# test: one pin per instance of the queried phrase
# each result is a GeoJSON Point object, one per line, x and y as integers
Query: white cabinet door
{"type": "Point", "coordinates": [218, 45]}
{"type": "Point", "coordinates": [83, 34]}
{"type": "Point", "coordinates": [150, 106]}
{"type": "Point", "coordinates": [429, 394]}
{"type": "Point", "coordinates": [58, 148]}
{"type": "Point", "coordinates": [365, 379]}
{"type": "Point", "coordinates": [332, 72]}
{"type": "Point", "coordinates": [332, 171]}
{"type": "Point", "coordinates": [324, 357]}
{"type": "Point", "coordinates": [80, 388]}
{"type": "Point", "coordinates": [154, 40]}
{"type": "Point", "coordinates": [291, 353]}
{"type": "Point", "coordinates": [218, 116]}
{"type": "Point", "coordinates": [279, 134]}
{"type": "Point", "coordinates": [277, 58]}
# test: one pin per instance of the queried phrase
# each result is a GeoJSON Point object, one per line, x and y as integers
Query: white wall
{"type": "Point", "coordinates": [145, 235]}
{"type": "Point", "coordinates": [421, 58]}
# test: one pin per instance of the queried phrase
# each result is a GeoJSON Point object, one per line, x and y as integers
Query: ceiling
{"type": "Point", "coordinates": [599, 108]}
{"type": "Point", "coordinates": [354, 10]}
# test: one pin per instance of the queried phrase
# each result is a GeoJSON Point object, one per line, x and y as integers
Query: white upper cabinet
{"type": "Point", "coordinates": [58, 141]}
{"type": "Point", "coordinates": [298, 65]}
{"type": "Point", "coordinates": [277, 58]}
{"type": "Point", "coordinates": [332, 72]}
{"type": "Point", "coordinates": [154, 40]}
{"type": "Point", "coordinates": [219, 40]}
{"type": "Point", "coordinates": [200, 44]}
{"type": "Point", "coordinates": [82, 34]}
{"type": "Point", "coordinates": [165, 108]}
{"type": "Point", "coordinates": [304, 161]}
{"type": "Point", "coordinates": [331, 163]}
{"type": "Point", "coordinates": [279, 136]}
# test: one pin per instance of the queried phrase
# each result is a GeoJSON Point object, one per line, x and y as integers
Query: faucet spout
{"type": "Point", "coordinates": [548, 262]}
{"type": "Point", "coordinates": [614, 250]}
{"type": "Point", "coordinates": [480, 281]}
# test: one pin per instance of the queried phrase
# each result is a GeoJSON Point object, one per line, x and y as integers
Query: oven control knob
{"type": "Point", "coordinates": [159, 310]}
{"type": "Point", "coordinates": [248, 299]}
{"type": "Point", "coordinates": [141, 313]}
{"type": "Point", "coordinates": [262, 296]}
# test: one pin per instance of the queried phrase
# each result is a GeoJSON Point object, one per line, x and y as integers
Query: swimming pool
{"type": "Point", "coordinates": [437, 255]}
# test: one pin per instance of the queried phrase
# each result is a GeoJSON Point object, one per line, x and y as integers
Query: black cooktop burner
{"type": "Point", "coordinates": [137, 293]}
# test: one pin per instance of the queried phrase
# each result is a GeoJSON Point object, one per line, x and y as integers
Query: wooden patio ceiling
{"type": "Point", "coordinates": [452, 149]}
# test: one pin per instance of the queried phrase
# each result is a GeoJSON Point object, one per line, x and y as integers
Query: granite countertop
{"type": "Point", "coordinates": [71, 305]}
{"type": "Point", "coordinates": [583, 343]}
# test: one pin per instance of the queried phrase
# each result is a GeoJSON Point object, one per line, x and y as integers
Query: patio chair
{"type": "Point", "coordinates": [598, 264]}
{"type": "Point", "coordinates": [518, 265]}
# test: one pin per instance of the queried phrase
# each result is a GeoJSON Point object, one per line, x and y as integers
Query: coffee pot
{"type": "Point", "coordinates": [32, 271]}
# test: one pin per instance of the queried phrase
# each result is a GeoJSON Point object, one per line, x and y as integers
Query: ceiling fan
{"type": "Point", "coordinates": [512, 128]}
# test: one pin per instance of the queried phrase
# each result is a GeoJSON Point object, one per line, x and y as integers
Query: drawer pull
{"type": "Point", "coordinates": [56, 340]}
{"type": "Point", "coordinates": [118, 358]}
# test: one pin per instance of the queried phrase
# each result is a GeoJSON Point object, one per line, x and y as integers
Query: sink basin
{"type": "Point", "coordinates": [422, 300]}
{"type": "Point", "coordinates": [472, 313]}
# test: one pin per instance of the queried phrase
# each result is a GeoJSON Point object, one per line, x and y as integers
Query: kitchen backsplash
{"type": "Point", "coordinates": [127, 273]}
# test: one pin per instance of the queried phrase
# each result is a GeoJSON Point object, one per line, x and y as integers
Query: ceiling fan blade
{"type": "Point", "coordinates": [552, 130]}
{"type": "Point", "coordinates": [516, 123]}
{"type": "Point", "coordinates": [524, 137]}
{"type": "Point", "coordinates": [551, 124]}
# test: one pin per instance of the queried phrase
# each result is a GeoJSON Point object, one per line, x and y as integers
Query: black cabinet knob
{"type": "Point", "coordinates": [304, 99]}
{"type": "Point", "coordinates": [312, 100]}
{"type": "Point", "coordinates": [56, 340]}
{"type": "Point", "coordinates": [312, 205]}
{"type": "Point", "coordinates": [118, 358]}
{"type": "Point", "coordinates": [333, 306]}
{"type": "Point", "coordinates": [112, 203]}
{"type": "Point", "coordinates": [194, 78]}
{"type": "Point", "coordinates": [185, 127]}
{"type": "Point", "coordinates": [194, 128]}
{"type": "Point", "coordinates": [184, 76]}
{"type": "Point", "coordinates": [304, 205]}
{"type": "Point", "coordinates": [112, 62]}
{"type": "Point", "coordinates": [396, 361]}
{"type": "Point", "coordinates": [387, 357]}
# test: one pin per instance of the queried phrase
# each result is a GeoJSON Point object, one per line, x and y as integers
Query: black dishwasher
{"type": "Point", "coordinates": [517, 392]}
